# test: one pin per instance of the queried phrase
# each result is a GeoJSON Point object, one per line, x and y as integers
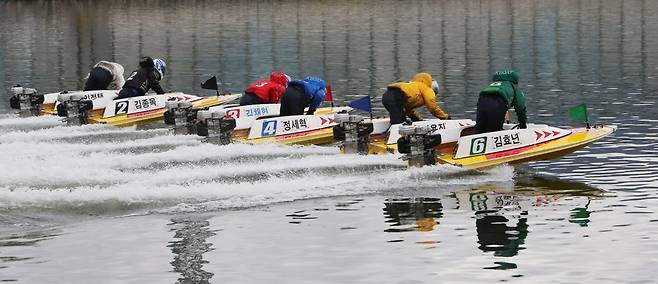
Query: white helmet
{"type": "Point", "coordinates": [435, 87]}
{"type": "Point", "coordinates": [161, 66]}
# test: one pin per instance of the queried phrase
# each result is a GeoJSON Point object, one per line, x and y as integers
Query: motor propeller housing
{"type": "Point", "coordinates": [215, 126]}
{"type": "Point", "coordinates": [26, 100]}
{"type": "Point", "coordinates": [75, 108]}
{"type": "Point", "coordinates": [181, 117]}
{"type": "Point", "coordinates": [353, 133]}
{"type": "Point", "coordinates": [418, 144]}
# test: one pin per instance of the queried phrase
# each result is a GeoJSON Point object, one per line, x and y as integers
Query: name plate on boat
{"type": "Point", "coordinates": [493, 142]}
{"type": "Point", "coordinates": [99, 98]}
{"type": "Point", "coordinates": [434, 124]}
{"type": "Point", "coordinates": [134, 106]}
{"type": "Point", "coordinates": [245, 115]}
{"type": "Point", "coordinates": [290, 124]}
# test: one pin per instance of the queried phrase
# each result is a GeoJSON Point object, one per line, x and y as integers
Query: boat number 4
{"type": "Point", "coordinates": [478, 145]}
{"type": "Point", "coordinates": [269, 128]}
{"type": "Point", "coordinates": [121, 108]}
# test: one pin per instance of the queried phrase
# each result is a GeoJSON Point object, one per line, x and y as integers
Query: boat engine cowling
{"type": "Point", "coordinates": [215, 126]}
{"type": "Point", "coordinates": [418, 144]}
{"type": "Point", "coordinates": [353, 132]}
{"type": "Point", "coordinates": [26, 100]}
{"type": "Point", "coordinates": [75, 108]}
{"type": "Point", "coordinates": [181, 116]}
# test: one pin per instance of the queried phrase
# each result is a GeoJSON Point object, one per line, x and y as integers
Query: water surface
{"type": "Point", "coordinates": [101, 204]}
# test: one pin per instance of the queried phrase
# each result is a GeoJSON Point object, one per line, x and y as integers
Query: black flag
{"type": "Point", "coordinates": [210, 84]}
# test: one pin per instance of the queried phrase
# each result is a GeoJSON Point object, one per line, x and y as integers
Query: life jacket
{"type": "Point", "coordinates": [505, 86]}
{"type": "Point", "coordinates": [314, 91]}
{"type": "Point", "coordinates": [267, 91]}
{"type": "Point", "coordinates": [117, 73]}
{"type": "Point", "coordinates": [143, 80]}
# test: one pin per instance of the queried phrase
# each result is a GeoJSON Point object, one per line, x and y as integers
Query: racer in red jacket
{"type": "Point", "coordinates": [266, 91]}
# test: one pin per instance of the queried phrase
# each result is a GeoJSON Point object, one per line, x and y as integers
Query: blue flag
{"type": "Point", "coordinates": [362, 104]}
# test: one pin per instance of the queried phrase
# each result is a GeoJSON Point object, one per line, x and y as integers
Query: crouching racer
{"type": "Point", "coordinates": [147, 77]}
{"type": "Point", "coordinates": [496, 99]}
{"type": "Point", "coordinates": [264, 91]}
{"type": "Point", "coordinates": [300, 94]}
{"type": "Point", "coordinates": [105, 75]}
{"type": "Point", "coordinates": [400, 99]}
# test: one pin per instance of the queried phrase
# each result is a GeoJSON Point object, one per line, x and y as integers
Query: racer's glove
{"type": "Point", "coordinates": [522, 126]}
{"type": "Point", "coordinates": [448, 118]}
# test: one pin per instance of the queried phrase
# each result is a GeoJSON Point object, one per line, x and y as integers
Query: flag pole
{"type": "Point", "coordinates": [370, 101]}
{"type": "Point", "coordinates": [586, 118]}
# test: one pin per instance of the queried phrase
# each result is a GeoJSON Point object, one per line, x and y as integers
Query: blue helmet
{"type": "Point", "coordinates": [161, 66]}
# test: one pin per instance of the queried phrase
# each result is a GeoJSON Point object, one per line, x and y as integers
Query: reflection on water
{"type": "Point", "coordinates": [192, 233]}
{"type": "Point", "coordinates": [501, 214]}
{"type": "Point", "coordinates": [495, 234]}
{"type": "Point", "coordinates": [566, 49]}
{"type": "Point", "coordinates": [580, 215]}
{"type": "Point", "coordinates": [412, 214]}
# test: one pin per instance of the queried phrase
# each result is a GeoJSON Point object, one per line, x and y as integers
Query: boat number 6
{"type": "Point", "coordinates": [478, 145]}
{"type": "Point", "coordinates": [121, 108]}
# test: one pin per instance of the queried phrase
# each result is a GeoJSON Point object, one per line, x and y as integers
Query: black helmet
{"type": "Point", "coordinates": [146, 62]}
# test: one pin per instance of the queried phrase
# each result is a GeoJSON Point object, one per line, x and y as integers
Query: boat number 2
{"type": "Point", "coordinates": [121, 108]}
{"type": "Point", "coordinates": [478, 145]}
{"type": "Point", "coordinates": [269, 128]}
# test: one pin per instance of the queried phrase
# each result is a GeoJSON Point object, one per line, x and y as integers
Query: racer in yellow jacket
{"type": "Point", "coordinates": [400, 99]}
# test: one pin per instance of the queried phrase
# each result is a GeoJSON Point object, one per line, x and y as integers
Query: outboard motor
{"type": "Point", "coordinates": [26, 100]}
{"type": "Point", "coordinates": [417, 143]}
{"type": "Point", "coordinates": [181, 117]}
{"type": "Point", "coordinates": [215, 126]}
{"type": "Point", "coordinates": [353, 132]}
{"type": "Point", "coordinates": [75, 108]}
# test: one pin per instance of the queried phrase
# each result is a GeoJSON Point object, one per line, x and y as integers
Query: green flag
{"type": "Point", "coordinates": [579, 113]}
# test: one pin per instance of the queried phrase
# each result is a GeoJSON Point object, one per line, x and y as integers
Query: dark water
{"type": "Point", "coordinates": [100, 204]}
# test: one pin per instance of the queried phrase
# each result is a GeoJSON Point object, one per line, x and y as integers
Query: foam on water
{"type": "Point", "coordinates": [201, 196]}
{"type": "Point", "coordinates": [80, 132]}
{"type": "Point", "coordinates": [11, 121]}
{"type": "Point", "coordinates": [76, 167]}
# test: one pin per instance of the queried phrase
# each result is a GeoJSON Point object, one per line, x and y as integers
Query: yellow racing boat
{"type": "Point", "coordinates": [453, 142]}
{"type": "Point", "coordinates": [538, 142]}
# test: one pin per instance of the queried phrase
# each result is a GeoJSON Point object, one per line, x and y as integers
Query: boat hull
{"type": "Point", "coordinates": [553, 149]}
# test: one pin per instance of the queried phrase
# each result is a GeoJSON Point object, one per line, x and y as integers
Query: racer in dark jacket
{"type": "Point", "coordinates": [496, 99]}
{"type": "Point", "coordinates": [266, 91]}
{"type": "Point", "coordinates": [147, 77]}
{"type": "Point", "coordinates": [300, 94]}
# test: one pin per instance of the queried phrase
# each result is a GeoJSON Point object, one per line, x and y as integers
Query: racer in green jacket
{"type": "Point", "coordinates": [496, 99]}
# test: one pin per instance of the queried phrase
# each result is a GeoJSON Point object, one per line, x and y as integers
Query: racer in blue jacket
{"type": "Point", "coordinates": [300, 94]}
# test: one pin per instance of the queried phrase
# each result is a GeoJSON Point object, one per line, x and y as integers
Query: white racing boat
{"type": "Point", "coordinates": [254, 124]}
